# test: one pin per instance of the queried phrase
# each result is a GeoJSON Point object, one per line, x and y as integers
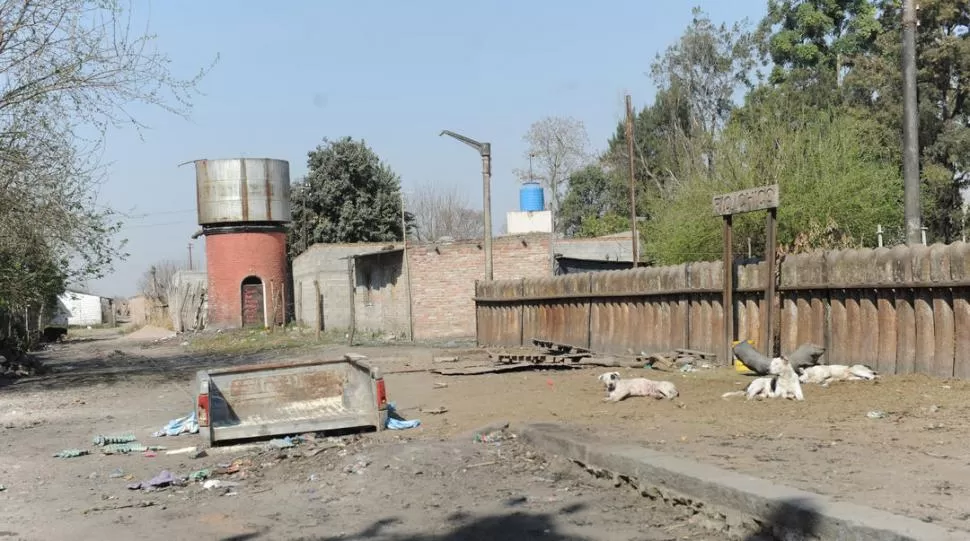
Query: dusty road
{"type": "Point", "coordinates": [396, 485]}
{"type": "Point", "coordinates": [911, 459]}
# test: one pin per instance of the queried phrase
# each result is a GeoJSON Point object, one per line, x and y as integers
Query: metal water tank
{"type": "Point", "coordinates": [531, 197]}
{"type": "Point", "coordinates": [242, 190]}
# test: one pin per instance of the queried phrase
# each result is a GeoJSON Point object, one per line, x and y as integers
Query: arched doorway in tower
{"type": "Point", "coordinates": [253, 304]}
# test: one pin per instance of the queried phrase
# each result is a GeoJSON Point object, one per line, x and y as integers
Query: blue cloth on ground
{"type": "Point", "coordinates": [188, 424]}
{"type": "Point", "coordinates": [396, 422]}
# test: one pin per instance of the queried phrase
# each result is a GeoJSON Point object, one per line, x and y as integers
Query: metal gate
{"type": "Point", "coordinates": [252, 303]}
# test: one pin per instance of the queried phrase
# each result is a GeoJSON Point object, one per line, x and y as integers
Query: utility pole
{"type": "Point", "coordinates": [485, 151]}
{"type": "Point", "coordinates": [911, 204]}
{"type": "Point", "coordinates": [633, 189]}
{"type": "Point", "coordinates": [190, 256]}
{"type": "Point", "coordinates": [407, 268]}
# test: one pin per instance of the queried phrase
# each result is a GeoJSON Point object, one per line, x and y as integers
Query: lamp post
{"type": "Point", "coordinates": [485, 151]}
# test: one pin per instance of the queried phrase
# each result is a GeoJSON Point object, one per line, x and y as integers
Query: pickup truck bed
{"type": "Point", "coordinates": [276, 399]}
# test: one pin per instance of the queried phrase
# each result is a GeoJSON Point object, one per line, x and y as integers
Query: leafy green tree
{"type": "Point", "coordinates": [831, 166]}
{"type": "Point", "coordinates": [706, 65]}
{"type": "Point", "coordinates": [816, 40]}
{"type": "Point", "coordinates": [607, 224]}
{"type": "Point", "coordinates": [593, 193]}
{"type": "Point", "coordinates": [943, 79]}
{"type": "Point", "coordinates": [348, 195]}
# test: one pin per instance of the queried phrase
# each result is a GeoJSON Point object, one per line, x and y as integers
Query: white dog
{"type": "Point", "coordinates": [782, 384]}
{"type": "Point", "coordinates": [825, 373]}
{"type": "Point", "coordinates": [619, 389]}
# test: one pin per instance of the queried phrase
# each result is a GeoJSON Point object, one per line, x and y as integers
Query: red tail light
{"type": "Point", "coordinates": [381, 394]}
{"type": "Point", "coordinates": [202, 406]}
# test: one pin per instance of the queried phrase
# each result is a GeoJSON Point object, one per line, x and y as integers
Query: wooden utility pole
{"type": "Point", "coordinates": [633, 185]}
{"type": "Point", "coordinates": [911, 207]}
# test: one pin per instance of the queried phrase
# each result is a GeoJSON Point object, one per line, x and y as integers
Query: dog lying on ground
{"type": "Point", "coordinates": [619, 388]}
{"type": "Point", "coordinates": [825, 373]}
{"type": "Point", "coordinates": [783, 383]}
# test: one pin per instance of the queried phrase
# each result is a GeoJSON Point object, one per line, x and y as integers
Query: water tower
{"type": "Point", "coordinates": [243, 208]}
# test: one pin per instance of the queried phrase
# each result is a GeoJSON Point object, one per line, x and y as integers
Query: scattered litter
{"type": "Point", "coordinates": [149, 454]}
{"type": "Point", "coordinates": [876, 414]}
{"type": "Point", "coordinates": [480, 464]}
{"type": "Point", "coordinates": [358, 466]}
{"type": "Point", "coordinates": [188, 424]}
{"type": "Point", "coordinates": [116, 507]}
{"type": "Point", "coordinates": [101, 440]}
{"type": "Point", "coordinates": [312, 477]}
{"type": "Point", "coordinates": [396, 422]}
{"type": "Point", "coordinates": [218, 483]}
{"type": "Point", "coordinates": [200, 475]}
{"type": "Point", "coordinates": [2, 488]}
{"type": "Point", "coordinates": [163, 479]}
{"type": "Point", "coordinates": [934, 408]}
{"type": "Point", "coordinates": [182, 451]}
{"type": "Point", "coordinates": [117, 474]}
{"type": "Point", "coordinates": [284, 443]}
{"type": "Point", "coordinates": [435, 411]}
{"type": "Point", "coordinates": [234, 466]}
{"type": "Point", "coordinates": [445, 360]}
{"type": "Point", "coordinates": [688, 368]}
{"type": "Point", "coordinates": [493, 436]}
{"type": "Point", "coordinates": [126, 448]}
{"type": "Point", "coordinates": [71, 453]}
{"type": "Point", "coordinates": [440, 385]}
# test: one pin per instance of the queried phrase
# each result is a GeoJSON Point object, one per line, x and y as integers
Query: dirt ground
{"type": "Point", "coordinates": [423, 483]}
{"type": "Point", "coordinates": [410, 485]}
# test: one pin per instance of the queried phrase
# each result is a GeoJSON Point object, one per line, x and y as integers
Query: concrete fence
{"type": "Point", "coordinates": [899, 310]}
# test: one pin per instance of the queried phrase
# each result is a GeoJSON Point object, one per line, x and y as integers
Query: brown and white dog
{"type": "Point", "coordinates": [619, 388]}
{"type": "Point", "coordinates": [825, 373]}
{"type": "Point", "coordinates": [783, 383]}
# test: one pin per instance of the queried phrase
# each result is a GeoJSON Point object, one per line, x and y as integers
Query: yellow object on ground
{"type": "Point", "coordinates": [738, 365]}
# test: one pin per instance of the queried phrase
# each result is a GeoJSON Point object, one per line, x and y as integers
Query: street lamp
{"type": "Point", "coordinates": [485, 150]}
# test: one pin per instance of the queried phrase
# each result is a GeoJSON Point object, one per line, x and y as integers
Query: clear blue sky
{"type": "Point", "coordinates": [393, 73]}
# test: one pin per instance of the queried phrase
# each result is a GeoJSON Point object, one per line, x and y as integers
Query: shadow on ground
{"type": "Point", "coordinates": [131, 362]}
{"type": "Point", "coordinates": [516, 526]}
{"type": "Point", "coordinates": [796, 516]}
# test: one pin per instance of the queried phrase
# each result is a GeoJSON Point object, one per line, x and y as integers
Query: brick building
{"type": "Point", "coordinates": [433, 291]}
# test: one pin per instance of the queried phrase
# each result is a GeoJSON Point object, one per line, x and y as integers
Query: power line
{"type": "Point", "coordinates": [142, 226]}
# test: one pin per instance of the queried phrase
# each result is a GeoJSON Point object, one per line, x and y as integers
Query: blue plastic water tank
{"type": "Point", "coordinates": [531, 197]}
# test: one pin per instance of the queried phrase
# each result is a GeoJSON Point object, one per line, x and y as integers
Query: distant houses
{"type": "Point", "coordinates": [80, 309]}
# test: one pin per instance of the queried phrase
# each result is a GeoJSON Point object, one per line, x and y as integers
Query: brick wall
{"type": "Point", "coordinates": [443, 279]}
{"type": "Point", "coordinates": [232, 257]}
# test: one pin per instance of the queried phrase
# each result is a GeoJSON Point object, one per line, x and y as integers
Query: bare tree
{"type": "Point", "coordinates": [67, 68]}
{"type": "Point", "coordinates": [155, 283]}
{"type": "Point", "coordinates": [558, 146]}
{"type": "Point", "coordinates": [443, 212]}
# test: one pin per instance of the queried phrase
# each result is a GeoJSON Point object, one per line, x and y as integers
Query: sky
{"type": "Point", "coordinates": [392, 73]}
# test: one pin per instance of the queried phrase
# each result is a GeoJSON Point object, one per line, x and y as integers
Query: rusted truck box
{"type": "Point", "coordinates": [276, 399]}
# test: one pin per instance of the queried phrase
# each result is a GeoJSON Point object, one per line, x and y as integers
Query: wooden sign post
{"type": "Point", "coordinates": [727, 205]}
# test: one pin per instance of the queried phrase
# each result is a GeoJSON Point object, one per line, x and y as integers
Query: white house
{"type": "Point", "coordinates": [76, 308]}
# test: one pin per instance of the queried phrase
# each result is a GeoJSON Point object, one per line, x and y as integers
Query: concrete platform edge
{"type": "Point", "coordinates": [750, 496]}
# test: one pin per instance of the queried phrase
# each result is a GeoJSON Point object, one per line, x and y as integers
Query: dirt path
{"type": "Point", "coordinates": [912, 461]}
{"type": "Point", "coordinates": [403, 486]}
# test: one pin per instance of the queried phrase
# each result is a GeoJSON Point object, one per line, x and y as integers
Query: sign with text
{"type": "Point", "coordinates": [760, 198]}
